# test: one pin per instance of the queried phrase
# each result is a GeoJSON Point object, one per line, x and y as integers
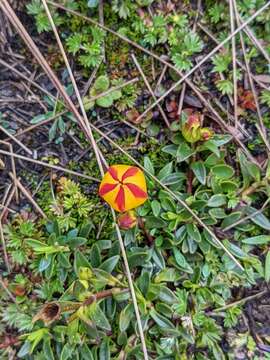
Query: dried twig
{"type": "Point", "coordinates": [50, 166]}
{"type": "Point", "coordinates": [4, 247]}
{"type": "Point", "coordinates": [241, 301]}
{"type": "Point", "coordinates": [28, 195]}
{"type": "Point", "coordinates": [6, 204]}
{"type": "Point", "coordinates": [16, 140]}
{"type": "Point", "coordinates": [13, 167]}
{"type": "Point", "coordinates": [2, 283]}
{"type": "Point", "coordinates": [150, 89]}
{"type": "Point", "coordinates": [234, 64]}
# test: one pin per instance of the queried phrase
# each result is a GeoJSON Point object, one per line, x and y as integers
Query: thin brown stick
{"type": "Point", "coordinates": [113, 88]}
{"type": "Point", "coordinates": [25, 148]}
{"type": "Point", "coordinates": [232, 20]}
{"type": "Point", "coordinates": [248, 217]}
{"type": "Point", "coordinates": [28, 196]}
{"type": "Point", "coordinates": [181, 99]}
{"type": "Point", "coordinates": [4, 247]}
{"type": "Point", "coordinates": [13, 166]}
{"type": "Point", "coordinates": [2, 283]}
{"type": "Point", "coordinates": [150, 89]}
{"type": "Point", "coordinates": [6, 204]}
{"type": "Point", "coordinates": [103, 295]}
{"type": "Point", "coordinates": [50, 166]}
{"type": "Point", "coordinates": [241, 301]}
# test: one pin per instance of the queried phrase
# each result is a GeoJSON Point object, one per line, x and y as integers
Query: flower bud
{"type": "Point", "coordinates": [191, 128]}
{"type": "Point", "coordinates": [206, 134]}
{"type": "Point", "coordinates": [127, 220]}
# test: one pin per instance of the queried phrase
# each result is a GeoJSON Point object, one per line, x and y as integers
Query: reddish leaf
{"type": "Point", "coordinates": [130, 172]}
{"type": "Point", "coordinates": [120, 199]}
{"type": "Point", "coordinates": [106, 188]}
{"type": "Point", "coordinates": [112, 171]}
{"type": "Point", "coordinates": [246, 99]}
{"type": "Point", "coordinates": [136, 191]}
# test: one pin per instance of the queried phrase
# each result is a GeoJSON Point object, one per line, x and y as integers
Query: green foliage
{"type": "Point", "coordinates": [181, 274]}
{"type": "Point", "coordinates": [265, 97]}
{"type": "Point", "coordinates": [100, 86]}
{"type": "Point", "coordinates": [225, 86]}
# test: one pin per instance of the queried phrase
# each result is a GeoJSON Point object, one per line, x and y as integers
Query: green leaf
{"type": "Point", "coordinates": [144, 282]}
{"type": "Point", "coordinates": [155, 206]}
{"type": "Point", "coordinates": [98, 316]}
{"type": "Point", "coordinates": [24, 350]}
{"type": "Point", "coordinates": [66, 352]}
{"type": "Point", "coordinates": [105, 101]}
{"type": "Point", "coordinates": [109, 264]}
{"type": "Point", "coordinates": [160, 320]}
{"type": "Point", "coordinates": [149, 165]}
{"type": "Point", "coordinates": [76, 242]}
{"type": "Point", "coordinates": [165, 171]}
{"type": "Point", "coordinates": [154, 222]}
{"type": "Point", "coordinates": [217, 213]}
{"type": "Point", "coordinates": [125, 317]}
{"type": "Point", "coordinates": [212, 146]}
{"type": "Point", "coordinates": [253, 170]}
{"type": "Point", "coordinates": [217, 200]}
{"type": "Point", "coordinates": [199, 170]}
{"type": "Point", "coordinates": [231, 219]}
{"type": "Point", "coordinates": [170, 149]}
{"type": "Point", "coordinates": [102, 83]}
{"type": "Point", "coordinates": [223, 171]}
{"type": "Point", "coordinates": [85, 352]}
{"type": "Point", "coordinates": [257, 240]}
{"type": "Point", "coordinates": [167, 275]}
{"type": "Point", "coordinates": [137, 259]}
{"type": "Point", "coordinates": [92, 3]}
{"type": "Point", "coordinates": [193, 232]}
{"type": "Point", "coordinates": [259, 219]}
{"type": "Point", "coordinates": [116, 94]}
{"type": "Point", "coordinates": [166, 295]}
{"type": "Point", "coordinates": [104, 352]}
{"type": "Point", "coordinates": [47, 350]}
{"type": "Point", "coordinates": [181, 261]}
{"type": "Point", "coordinates": [183, 152]}
{"type": "Point", "coordinates": [267, 267]}
{"type": "Point", "coordinates": [80, 261]}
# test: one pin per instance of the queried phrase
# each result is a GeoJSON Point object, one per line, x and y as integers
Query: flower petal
{"type": "Point", "coordinates": [104, 189]}
{"type": "Point", "coordinates": [120, 199]}
{"type": "Point", "coordinates": [113, 172]}
{"type": "Point", "coordinates": [130, 172]}
{"type": "Point", "coordinates": [136, 191]}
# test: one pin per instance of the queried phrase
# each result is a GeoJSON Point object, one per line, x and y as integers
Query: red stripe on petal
{"type": "Point", "coordinates": [120, 199]}
{"type": "Point", "coordinates": [136, 190]}
{"type": "Point", "coordinates": [106, 188]}
{"type": "Point", "coordinates": [130, 172]}
{"type": "Point", "coordinates": [113, 172]}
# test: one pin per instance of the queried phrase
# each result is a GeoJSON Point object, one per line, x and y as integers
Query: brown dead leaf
{"type": "Point", "coordinates": [132, 116]}
{"type": "Point", "coordinates": [263, 78]}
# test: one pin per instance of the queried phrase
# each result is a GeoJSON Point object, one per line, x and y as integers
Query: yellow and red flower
{"type": "Point", "coordinates": [123, 187]}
